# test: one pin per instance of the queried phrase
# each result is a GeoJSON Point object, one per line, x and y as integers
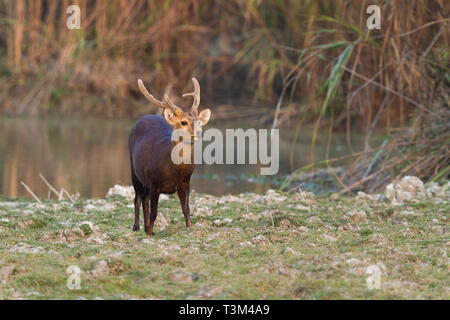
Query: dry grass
{"type": "Point", "coordinates": [315, 58]}
{"type": "Point", "coordinates": [240, 49]}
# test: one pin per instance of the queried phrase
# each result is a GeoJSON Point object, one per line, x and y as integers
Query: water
{"type": "Point", "coordinates": [90, 156]}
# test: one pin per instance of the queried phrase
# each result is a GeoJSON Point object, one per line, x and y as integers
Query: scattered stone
{"type": "Point", "coordinates": [290, 251]}
{"type": "Point", "coordinates": [363, 196]}
{"type": "Point", "coordinates": [98, 240]}
{"type": "Point", "coordinates": [206, 291]}
{"type": "Point", "coordinates": [148, 241]}
{"type": "Point", "coordinates": [124, 191]}
{"type": "Point", "coordinates": [440, 194]}
{"type": "Point", "coordinates": [9, 204]}
{"type": "Point", "coordinates": [183, 275]}
{"type": "Point", "coordinates": [23, 247]}
{"type": "Point", "coordinates": [328, 237]}
{"type": "Point", "coordinates": [272, 196]}
{"type": "Point", "coordinates": [250, 216]}
{"type": "Point", "coordinates": [260, 238]}
{"type": "Point", "coordinates": [303, 229]}
{"type": "Point", "coordinates": [90, 207]}
{"type": "Point", "coordinates": [284, 224]}
{"type": "Point", "coordinates": [202, 212]}
{"type": "Point", "coordinates": [408, 189]}
{"type": "Point", "coordinates": [314, 219]}
{"type": "Point", "coordinates": [54, 252]}
{"type": "Point", "coordinates": [173, 247]}
{"type": "Point", "coordinates": [5, 272]}
{"type": "Point", "coordinates": [128, 193]}
{"type": "Point", "coordinates": [116, 254]}
{"type": "Point", "coordinates": [357, 215]}
{"type": "Point", "coordinates": [162, 221]}
{"type": "Point", "coordinates": [101, 269]}
{"type": "Point", "coordinates": [353, 261]}
{"type": "Point", "coordinates": [302, 208]}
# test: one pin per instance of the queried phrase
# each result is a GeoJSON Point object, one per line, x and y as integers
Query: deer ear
{"type": "Point", "coordinates": [169, 116]}
{"type": "Point", "coordinates": [204, 116]}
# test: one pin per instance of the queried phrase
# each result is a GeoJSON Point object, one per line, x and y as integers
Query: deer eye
{"type": "Point", "coordinates": [184, 123]}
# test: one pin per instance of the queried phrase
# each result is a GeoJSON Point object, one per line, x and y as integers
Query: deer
{"type": "Point", "coordinates": [150, 144]}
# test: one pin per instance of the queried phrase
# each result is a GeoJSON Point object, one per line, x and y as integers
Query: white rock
{"type": "Point", "coordinates": [124, 191]}
{"type": "Point", "coordinates": [148, 241]}
{"type": "Point", "coordinates": [116, 254]}
{"type": "Point", "coordinates": [173, 247]}
{"type": "Point", "coordinates": [357, 215]}
{"type": "Point", "coordinates": [128, 192]}
{"type": "Point", "coordinates": [272, 196]}
{"type": "Point", "coordinates": [259, 238]}
{"type": "Point", "coordinates": [101, 269]}
{"type": "Point", "coordinates": [98, 240]}
{"type": "Point", "coordinates": [6, 271]}
{"type": "Point", "coordinates": [26, 248]}
{"type": "Point", "coordinates": [162, 221]}
{"type": "Point", "coordinates": [408, 189]}
{"type": "Point", "coordinates": [303, 229]}
{"type": "Point", "coordinates": [291, 251]}
{"type": "Point", "coordinates": [302, 208]}
{"type": "Point", "coordinates": [353, 261]}
{"type": "Point", "coordinates": [363, 196]}
{"type": "Point", "coordinates": [329, 238]}
{"type": "Point", "coordinates": [90, 207]}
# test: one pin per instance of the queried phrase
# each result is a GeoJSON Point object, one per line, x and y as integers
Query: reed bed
{"type": "Point", "coordinates": [298, 60]}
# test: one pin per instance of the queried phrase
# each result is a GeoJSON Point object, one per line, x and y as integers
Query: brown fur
{"type": "Point", "coordinates": [152, 169]}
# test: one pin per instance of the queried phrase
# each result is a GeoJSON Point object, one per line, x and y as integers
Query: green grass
{"type": "Point", "coordinates": [263, 253]}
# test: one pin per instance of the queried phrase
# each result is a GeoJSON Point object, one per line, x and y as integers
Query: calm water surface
{"type": "Point", "coordinates": [90, 156]}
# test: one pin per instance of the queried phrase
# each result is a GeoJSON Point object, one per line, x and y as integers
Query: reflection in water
{"type": "Point", "coordinates": [91, 156]}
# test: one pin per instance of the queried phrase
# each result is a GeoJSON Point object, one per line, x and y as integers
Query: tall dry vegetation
{"type": "Point", "coordinates": [315, 60]}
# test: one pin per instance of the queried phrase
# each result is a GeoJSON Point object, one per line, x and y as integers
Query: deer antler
{"type": "Point", "coordinates": [167, 102]}
{"type": "Point", "coordinates": [195, 94]}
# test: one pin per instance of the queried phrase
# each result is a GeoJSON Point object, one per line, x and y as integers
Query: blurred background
{"type": "Point", "coordinates": [355, 107]}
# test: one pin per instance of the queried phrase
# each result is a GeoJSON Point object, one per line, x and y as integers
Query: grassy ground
{"type": "Point", "coordinates": [273, 246]}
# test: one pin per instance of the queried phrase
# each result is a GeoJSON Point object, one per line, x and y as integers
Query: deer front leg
{"type": "Point", "coordinates": [154, 197]}
{"type": "Point", "coordinates": [137, 209]}
{"type": "Point", "coordinates": [183, 194]}
{"type": "Point", "coordinates": [146, 209]}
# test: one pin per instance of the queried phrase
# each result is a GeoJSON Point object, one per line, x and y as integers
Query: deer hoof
{"type": "Point", "coordinates": [136, 228]}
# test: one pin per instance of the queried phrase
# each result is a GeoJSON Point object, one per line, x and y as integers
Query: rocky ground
{"type": "Point", "coordinates": [272, 246]}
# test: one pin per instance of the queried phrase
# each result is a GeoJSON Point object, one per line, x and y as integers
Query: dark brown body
{"type": "Point", "coordinates": [153, 172]}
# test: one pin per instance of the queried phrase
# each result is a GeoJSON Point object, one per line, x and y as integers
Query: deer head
{"type": "Point", "coordinates": [191, 121]}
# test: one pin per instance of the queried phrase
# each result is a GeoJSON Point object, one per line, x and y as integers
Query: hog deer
{"type": "Point", "coordinates": [150, 145]}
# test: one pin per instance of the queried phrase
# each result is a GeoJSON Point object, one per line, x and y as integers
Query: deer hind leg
{"type": "Point", "coordinates": [137, 209]}
{"type": "Point", "coordinates": [139, 189]}
{"type": "Point", "coordinates": [146, 209]}
{"type": "Point", "coordinates": [154, 197]}
{"type": "Point", "coordinates": [183, 194]}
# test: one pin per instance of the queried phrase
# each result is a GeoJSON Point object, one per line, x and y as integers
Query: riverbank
{"type": "Point", "coordinates": [248, 246]}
